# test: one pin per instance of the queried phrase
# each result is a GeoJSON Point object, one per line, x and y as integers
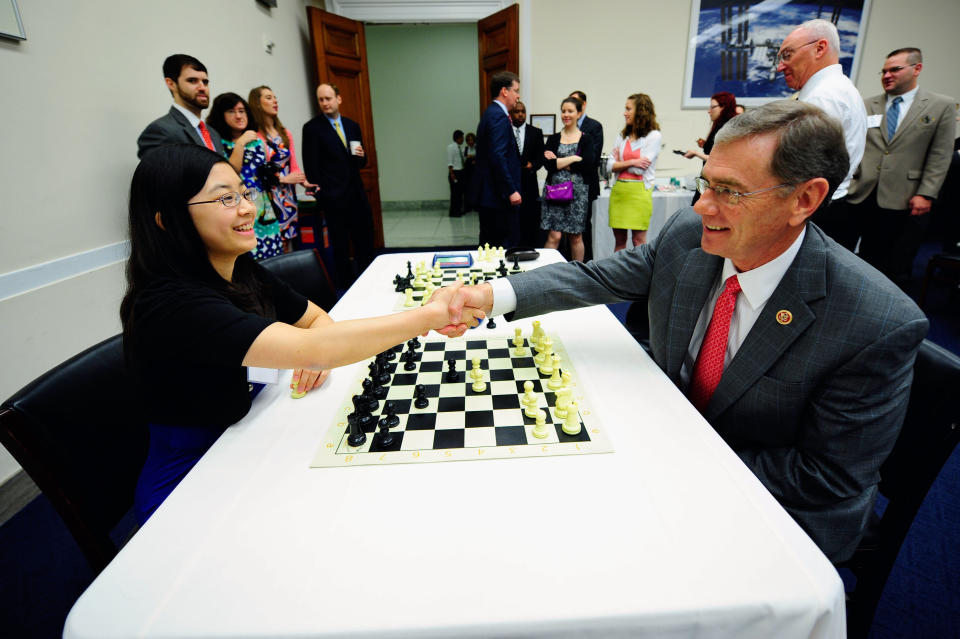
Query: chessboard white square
{"type": "Point", "coordinates": [400, 392]}
{"type": "Point", "coordinates": [499, 363]}
{"type": "Point", "coordinates": [429, 378]}
{"type": "Point", "coordinates": [432, 356]}
{"type": "Point", "coordinates": [480, 437]}
{"type": "Point", "coordinates": [451, 419]}
{"type": "Point", "coordinates": [478, 402]}
{"type": "Point", "coordinates": [417, 440]}
{"type": "Point", "coordinates": [454, 389]}
{"type": "Point", "coordinates": [551, 437]}
{"type": "Point", "coordinates": [505, 387]}
{"type": "Point", "coordinates": [508, 417]}
{"type": "Point", "coordinates": [524, 373]}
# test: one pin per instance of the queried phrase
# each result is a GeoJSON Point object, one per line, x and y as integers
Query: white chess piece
{"type": "Point", "coordinates": [555, 382]}
{"type": "Point", "coordinates": [571, 424]}
{"type": "Point", "coordinates": [543, 357]}
{"type": "Point", "coordinates": [477, 376]}
{"type": "Point", "coordinates": [519, 349]}
{"type": "Point", "coordinates": [563, 402]}
{"type": "Point", "coordinates": [408, 297]}
{"type": "Point", "coordinates": [529, 400]}
{"type": "Point", "coordinates": [540, 430]}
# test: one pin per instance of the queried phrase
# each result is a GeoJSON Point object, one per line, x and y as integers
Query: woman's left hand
{"type": "Point", "coordinates": [550, 155]}
{"type": "Point", "coordinates": [306, 380]}
{"type": "Point", "coordinates": [642, 162]}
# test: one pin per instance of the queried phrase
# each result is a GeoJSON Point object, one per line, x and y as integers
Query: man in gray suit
{"type": "Point", "coordinates": [909, 148]}
{"type": "Point", "coordinates": [806, 375]}
{"type": "Point", "coordinates": [186, 78]}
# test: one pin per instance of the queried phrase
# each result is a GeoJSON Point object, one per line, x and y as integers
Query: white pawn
{"type": "Point", "coordinates": [543, 357]}
{"type": "Point", "coordinates": [540, 430]}
{"type": "Point", "coordinates": [427, 292]}
{"type": "Point", "coordinates": [473, 279]}
{"type": "Point", "coordinates": [549, 360]}
{"type": "Point", "coordinates": [477, 376]}
{"type": "Point", "coordinates": [519, 350]}
{"type": "Point", "coordinates": [555, 382]}
{"type": "Point", "coordinates": [565, 376]}
{"type": "Point", "coordinates": [537, 334]}
{"type": "Point", "coordinates": [529, 400]}
{"type": "Point", "coordinates": [408, 298]}
{"type": "Point", "coordinates": [571, 424]}
{"type": "Point", "coordinates": [486, 252]}
{"type": "Point", "coordinates": [437, 271]}
{"type": "Point", "coordinates": [460, 276]}
{"type": "Point", "coordinates": [563, 402]}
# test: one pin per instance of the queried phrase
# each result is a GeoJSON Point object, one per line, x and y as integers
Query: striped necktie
{"type": "Point", "coordinates": [893, 116]}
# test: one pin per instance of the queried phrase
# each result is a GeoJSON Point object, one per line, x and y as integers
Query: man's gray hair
{"type": "Point", "coordinates": [810, 143]}
{"type": "Point", "coordinates": [823, 30]}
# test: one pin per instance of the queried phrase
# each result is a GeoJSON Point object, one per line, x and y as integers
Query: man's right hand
{"type": "Point", "coordinates": [515, 199]}
{"type": "Point", "coordinates": [470, 297]}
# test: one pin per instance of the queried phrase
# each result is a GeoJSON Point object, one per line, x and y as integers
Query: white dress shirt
{"type": "Point", "coordinates": [907, 100]}
{"type": "Point", "coordinates": [519, 132]}
{"type": "Point", "coordinates": [756, 287]}
{"type": "Point", "coordinates": [649, 145]}
{"type": "Point", "coordinates": [455, 156]}
{"type": "Point", "coordinates": [833, 92]}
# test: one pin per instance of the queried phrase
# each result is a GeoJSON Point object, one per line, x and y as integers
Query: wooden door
{"type": "Point", "coordinates": [498, 36]}
{"type": "Point", "coordinates": [340, 53]}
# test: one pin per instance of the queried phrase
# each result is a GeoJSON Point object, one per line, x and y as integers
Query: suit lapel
{"type": "Point", "coordinates": [768, 339]}
{"type": "Point", "coordinates": [185, 123]}
{"type": "Point", "coordinates": [694, 283]}
{"type": "Point", "coordinates": [916, 108]}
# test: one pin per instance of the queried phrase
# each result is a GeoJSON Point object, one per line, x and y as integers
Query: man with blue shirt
{"type": "Point", "coordinates": [497, 181]}
{"type": "Point", "coordinates": [332, 158]}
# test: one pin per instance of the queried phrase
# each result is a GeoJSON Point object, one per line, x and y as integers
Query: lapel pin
{"type": "Point", "coordinates": [784, 317]}
{"type": "Point", "coordinates": [926, 119]}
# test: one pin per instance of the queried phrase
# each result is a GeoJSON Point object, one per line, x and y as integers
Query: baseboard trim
{"type": "Point", "coordinates": [15, 493]}
{"type": "Point", "coordinates": [415, 205]}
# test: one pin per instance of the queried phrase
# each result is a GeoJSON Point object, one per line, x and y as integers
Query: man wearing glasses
{"type": "Point", "coordinates": [809, 59]}
{"type": "Point", "coordinates": [789, 345]}
{"type": "Point", "coordinates": [908, 153]}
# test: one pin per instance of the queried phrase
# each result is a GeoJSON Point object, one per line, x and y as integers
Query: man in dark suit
{"type": "Point", "coordinates": [806, 375]}
{"type": "Point", "coordinates": [908, 152]}
{"type": "Point", "coordinates": [595, 130]}
{"type": "Point", "coordinates": [527, 231]}
{"type": "Point", "coordinates": [187, 80]}
{"type": "Point", "coordinates": [497, 177]}
{"type": "Point", "coordinates": [332, 158]}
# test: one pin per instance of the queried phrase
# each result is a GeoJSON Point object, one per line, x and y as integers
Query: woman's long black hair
{"type": "Point", "coordinates": [166, 178]}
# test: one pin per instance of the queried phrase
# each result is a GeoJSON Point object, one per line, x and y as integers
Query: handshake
{"type": "Point", "coordinates": [460, 307]}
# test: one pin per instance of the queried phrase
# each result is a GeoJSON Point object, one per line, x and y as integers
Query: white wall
{"type": "Point", "coordinates": [76, 95]}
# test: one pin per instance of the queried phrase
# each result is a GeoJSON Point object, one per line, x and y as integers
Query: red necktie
{"type": "Point", "coordinates": [206, 135]}
{"type": "Point", "coordinates": [709, 367]}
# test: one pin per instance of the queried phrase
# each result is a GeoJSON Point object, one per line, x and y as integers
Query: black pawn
{"type": "Point", "coordinates": [369, 397]}
{"type": "Point", "coordinates": [386, 437]}
{"type": "Point", "coordinates": [420, 396]}
{"type": "Point", "coordinates": [502, 269]}
{"type": "Point", "coordinates": [491, 323]}
{"type": "Point", "coordinates": [409, 357]}
{"type": "Point", "coordinates": [390, 418]}
{"type": "Point", "coordinates": [398, 348]}
{"type": "Point", "coordinates": [414, 343]}
{"type": "Point", "coordinates": [387, 355]}
{"type": "Point", "coordinates": [516, 264]}
{"type": "Point", "coordinates": [452, 374]}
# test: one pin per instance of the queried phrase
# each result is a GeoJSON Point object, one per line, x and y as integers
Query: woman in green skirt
{"type": "Point", "coordinates": [632, 161]}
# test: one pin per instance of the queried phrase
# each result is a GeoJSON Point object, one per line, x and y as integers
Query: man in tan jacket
{"type": "Point", "coordinates": [910, 135]}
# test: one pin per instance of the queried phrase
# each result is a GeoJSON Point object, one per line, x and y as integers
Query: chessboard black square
{"type": "Point", "coordinates": [476, 345]}
{"type": "Point", "coordinates": [511, 436]}
{"type": "Point", "coordinates": [551, 398]}
{"type": "Point", "coordinates": [431, 367]}
{"type": "Point", "coordinates": [376, 446]}
{"type": "Point", "coordinates": [522, 362]}
{"type": "Point", "coordinates": [473, 393]}
{"type": "Point", "coordinates": [478, 418]}
{"type": "Point", "coordinates": [450, 438]}
{"type": "Point", "coordinates": [421, 421]}
{"type": "Point", "coordinates": [530, 421]}
{"type": "Point", "coordinates": [457, 355]}
{"type": "Point", "coordinates": [582, 436]}
{"type": "Point", "coordinates": [499, 353]}
{"type": "Point", "coordinates": [434, 346]}
{"type": "Point", "coordinates": [537, 388]}
{"type": "Point", "coordinates": [404, 379]}
{"type": "Point", "coordinates": [451, 404]}
{"type": "Point", "coordinates": [506, 401]}
{"type": "Point", "coordinates": [402, 406]}
{"type": "Point", "coordinates": [502, 375]}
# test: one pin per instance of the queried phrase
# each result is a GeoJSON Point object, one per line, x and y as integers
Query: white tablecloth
{"type": "Point", "coordinates": [665, 204]}
{"type": "Point", "coordinates": [669, 536]}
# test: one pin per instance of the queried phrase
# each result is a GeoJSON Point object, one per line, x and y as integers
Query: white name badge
{"type": "Point", "coordinates": [874, 120]}
{"type": "Point", "coordinates": [263, 375]}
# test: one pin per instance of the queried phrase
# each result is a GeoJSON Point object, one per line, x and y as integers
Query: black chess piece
{"type": "Point", "coordinates": [398, 283]}
{"type": "Point", "coordinates": [369, 398]}
{"type": "Point", "coordinates": [409, 271]}
{"type": "Point", "coordinates": [491, 323]}
{"type": "Point", "coordinates": [410, 359]}
{"type": "Point", "coordinates": [452, 374]}
{"type": "Point", "coordinates": [390, 417]}
{"type": "Point", "coordinates": [516, 263]}
{"type": "Point", "coordinates": [502, 269]}
{"type": "Point", "coordinates": [398, 348]}
{"type": "Point", "coordinates": [420, 396]}
{"type": "Point", "coordinates": [356, 437]}
{"type": "Point", "coordinates": [415, 341]}
{"type": "Point", "coordinates": [412, 344]}
{"type": "Point", "coordinates": [358, 420]}
{"type": "Point", "coordinates": [387, 355]}
{"type": "Point", "coordinates": [386, 437]}
{"type": "Point", "coordinates": [378, 372]}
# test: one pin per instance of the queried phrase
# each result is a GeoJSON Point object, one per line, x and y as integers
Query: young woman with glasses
{"type": "Point", "coordinates": [723, 106]}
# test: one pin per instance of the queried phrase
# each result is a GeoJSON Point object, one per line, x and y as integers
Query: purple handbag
{"type": "Point", "coordinates": [562, 192]}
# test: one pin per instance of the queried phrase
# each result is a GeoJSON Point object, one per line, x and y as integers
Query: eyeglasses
{"type": "Point", "coordinates": [236, 111]}
{"type": "Point", "coordinates": [785, 56]}
{"type": "Point", "coordinates": [714, 106]}
{"type": "Point", "coordinates": [897, 69]}
{"type": "Point", "coordinates": [232, 198]}
{"type": "Point", "coordinates": [732, 197]}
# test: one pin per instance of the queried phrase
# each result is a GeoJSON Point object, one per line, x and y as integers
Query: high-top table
{"type": "Point", "coordinates": [668, 536]}
{"type": "Point", "coordinates": [665, 204]}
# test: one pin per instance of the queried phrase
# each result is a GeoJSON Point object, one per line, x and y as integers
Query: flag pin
{"type": "Point", "coordinates": [784, 317]}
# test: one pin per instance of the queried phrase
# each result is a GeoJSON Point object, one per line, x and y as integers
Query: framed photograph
{"type": "Point", "coordinates": [733, 45]}
{"type": "Point", "coordinates": [545, 121]}
{"type": "Point", "coordinates": [10, 24]}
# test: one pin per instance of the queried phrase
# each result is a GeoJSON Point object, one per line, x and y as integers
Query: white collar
{"type": "Point", "coordinates": [504, 107]}
{"type": "Point", "coordinates": [521, 128]}
{"type": "Point", "coordinates": [823, 75]}
{"type": "Point", "coordinates": [907, 97]}
{"type": "Point", "coordinates": [191, 118]}
{"type": "Point", "coordinates": [758, 284]}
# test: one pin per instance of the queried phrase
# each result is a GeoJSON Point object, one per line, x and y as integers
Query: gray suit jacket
{"type": "Point", "coordinates": [173, 128]}
{"type": "Point", "coordinates": [915, 161]}
{"type": "Point", "coordinates": [812, 407]}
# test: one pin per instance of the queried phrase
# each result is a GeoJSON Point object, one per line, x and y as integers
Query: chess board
{"type": "Point", "coordinates": [480, 271]}
{"type": "Point", "coordinates": [458, 423]}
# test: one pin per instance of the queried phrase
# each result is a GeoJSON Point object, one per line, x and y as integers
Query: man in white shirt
{"type": "Point", "coordinates": [909, 150]}
{"type": "Point", "coordinates": [806, 375]}
{"type": "Point", "coordinates": [186, 78]}
{"type": "Point", "coordinates": [809, 59]}
{"type": "Point", "coordinates": [455, 173]}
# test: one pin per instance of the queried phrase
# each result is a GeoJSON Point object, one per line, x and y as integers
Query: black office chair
{"type": "Point", "coordinates": [944, 267]}
{"type": "Point", "coordinates": [931, 431]}
{"type": "Point", "coordinates": [305, 272]}
{"type": "Point", "coordinates": [78, 432]}
{"type": "Point", "coordinates": [637, 322]}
